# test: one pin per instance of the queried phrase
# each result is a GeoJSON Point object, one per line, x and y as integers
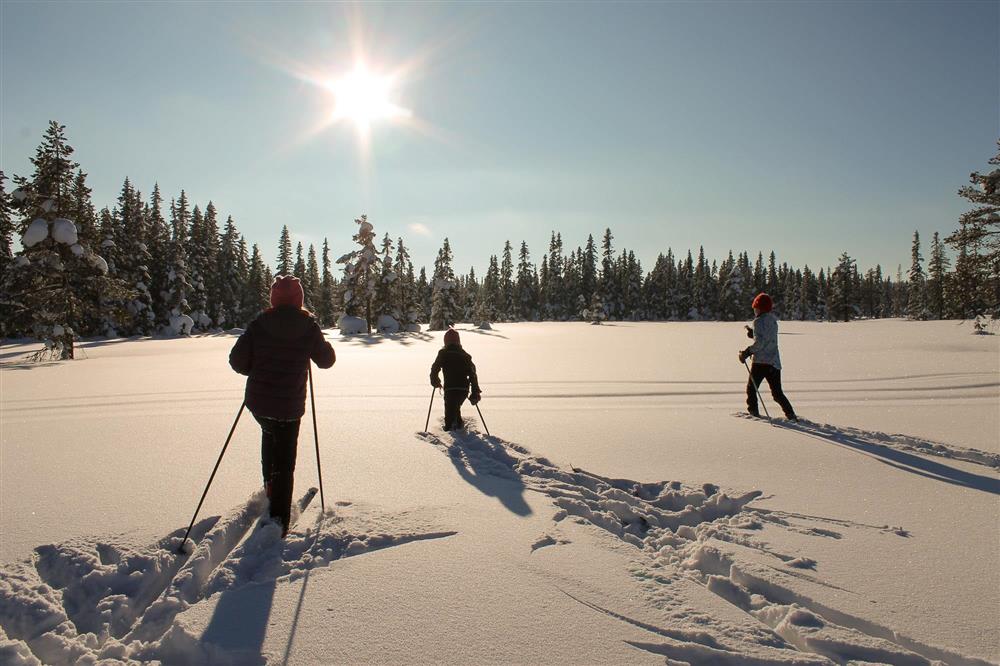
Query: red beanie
{"type": "Point", "coordinates": [286, 290]}
{"type": "Point", "coordinates": [763, 302]}
{"type": "Point", "coordinates": [451, 337]}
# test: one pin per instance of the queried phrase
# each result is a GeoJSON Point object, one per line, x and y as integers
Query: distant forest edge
{"type": "Point", "coordinates": [128, 270]}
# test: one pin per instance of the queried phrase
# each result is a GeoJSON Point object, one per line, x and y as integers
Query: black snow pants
{"type": "Point", "coordinates": [760, 372]}
{"type": "Point", "coordinates": [453, 399]}
{"type": "Point", "coordinates": [279, 441]}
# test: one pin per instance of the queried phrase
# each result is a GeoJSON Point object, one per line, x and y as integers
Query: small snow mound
{"type": "Point", "coordinates": [181, 324]}
{"type": "Point", "coordinates": [235, 331]}
{"type": "Point", "coordinates": [77, 249]}
{"type": "Point", "coordinates": [413, 328]}
{"type": "Point", "coordinates": [485, 326]}
{"type": "Point", "coordinates": [36, 232]}
{"type": "Point", "coordinates": [19, 194]}
{"type": "Point", "coordinates": [387, 324]}
{"type": "Point", "coordinates": [352, 325]}
{"type": "Point", "coordinates": [64, 231]}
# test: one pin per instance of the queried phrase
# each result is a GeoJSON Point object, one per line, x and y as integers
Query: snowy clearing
{"type": "Point", "coordinates": [623, 511]}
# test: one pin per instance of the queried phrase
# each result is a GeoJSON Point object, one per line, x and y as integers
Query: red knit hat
{"type": "Point", "coordinates": [451, 337]}
{"type": "Point", "coordinates": [763, 302]}
{"type": "Point", "coordinates": [286, 290]}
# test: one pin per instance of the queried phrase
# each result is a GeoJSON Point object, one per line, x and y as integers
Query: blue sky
{"type": "Point", "coordinates": [808, 128]}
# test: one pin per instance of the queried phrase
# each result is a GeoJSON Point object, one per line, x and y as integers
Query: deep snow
{"type": "Point", "coordinates": [622, 512]}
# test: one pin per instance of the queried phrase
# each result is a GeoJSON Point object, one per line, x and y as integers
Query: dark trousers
{"type": "Point", "coordinates": [278, 444]}
{"type": "Point", "coordinates": [758, 373]}
{"type": "Point", "coordinates": [453, 399]}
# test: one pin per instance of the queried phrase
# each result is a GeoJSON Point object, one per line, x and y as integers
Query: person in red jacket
{"type": "Point", "coordinates": [459, 377]}
{"type": "Point", "coordinates": [274, 353]}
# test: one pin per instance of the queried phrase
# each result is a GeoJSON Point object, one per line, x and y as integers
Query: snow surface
{"type": "Point", "coordinates": [387, 324]}
{"type": "Point", "coordinates": [622, 511]}
{"type": "Point", "coordinates": [352, 325]}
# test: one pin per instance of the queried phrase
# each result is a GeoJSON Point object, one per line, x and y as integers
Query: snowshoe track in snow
{"type": "Point", "coordinates": [82, 601]}
{"type": "Point", "coordinates": [698, 533]}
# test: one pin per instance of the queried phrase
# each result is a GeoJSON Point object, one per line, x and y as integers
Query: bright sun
{"type": "Point", "coordinates": [364, 97]}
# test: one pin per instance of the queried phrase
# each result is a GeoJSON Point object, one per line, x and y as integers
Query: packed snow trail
{"type": "Point", "coordinates": [711, 535]}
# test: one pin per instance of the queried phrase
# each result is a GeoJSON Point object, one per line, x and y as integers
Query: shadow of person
{"type": "Point", "coordinates": [486, 465]}
{"type": "Point", "coordinates": [908, 462]}
{"type": "Point", "coordinates": [239, 623]}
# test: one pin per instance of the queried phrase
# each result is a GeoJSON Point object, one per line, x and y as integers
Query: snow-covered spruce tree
{"type": "Point", "coordinates": [444, 308]}
{"type": "Point", "coordinates": [790, 310]}
{"type": "Point", "coordinates": [361, 268]}
{"type": "Point", "coordinates": [159, 250]}
{"type": "Point", "coordinates": [311, 282]}
{"type": "Point", "coordinates": [731, 306]}
{"type": "Point", "coordinates": [977, 240]}
{"type": "Point", "coordinates": [487, 302]}
{"type": "Point", "coordinates": [46, 279]}
{"type": "Point", "coordinates": [230, 275]}
{"type": "Point", "coordinates": [6, 254]}
{"type": "Point", "coordinates": [937, 273]}
{"type": "Point", "coordinates": [506, 305]}
{"type": "Point", "coordinates": [407, 301]}
{"type": "Point", "coordinates": [916, 307]}
{"type": "Point", "coordinates": [466, 295]}
{"type": "Point", "coordinates": [178, 286]}
{"type": "Point", "coordinates": [424, 295]}
{"type": "Point", "coordinates": [841, 289]}
{"type": "Point", "coordinates": [324, 305]}
{"type": "Point", "coordinates": [609, 285]}
{"type": "Point", "coordinates": [284, 266]}
{"type": "Point", "coordinates": [299, 269]}
{"type": "Point", "coordinates": [133, 260]}
{"type": "Point", "coordinates": [256, 296]}
{"type": "Point", "coordinates": [201, 262]}
{"type": "Point", "coordinates": [573, 301]}
{"type": "Point", "coordinates": [384, 301]}
{"type": "Point", "coordinates": [631, 271]}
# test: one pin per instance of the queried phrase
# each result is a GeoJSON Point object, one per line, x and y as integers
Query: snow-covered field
{"type": "Point", "coordinates": [622, 512]}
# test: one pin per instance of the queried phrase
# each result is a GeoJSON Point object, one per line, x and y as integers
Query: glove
{"type": "Point", "coordinates": [749, 332]}
{"type": "Point", "coordinates": [475, 398]}
{"type": "Point", "coordinates": [435, 382]}
{"type": "Point", "coordinates": [743, 355]}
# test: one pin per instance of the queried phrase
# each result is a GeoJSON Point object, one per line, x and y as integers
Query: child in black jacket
{"type": "Point", "coordinates": [459, 376]}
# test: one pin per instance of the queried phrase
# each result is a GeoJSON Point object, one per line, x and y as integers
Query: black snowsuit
{"type": "Point", "coordinates": [274, 352]}
{"type": "Point", "coordinates": [459, 376]}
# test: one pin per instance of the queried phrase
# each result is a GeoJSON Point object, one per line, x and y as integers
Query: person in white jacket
{"type": "Point", "coordinates": [766, 360]}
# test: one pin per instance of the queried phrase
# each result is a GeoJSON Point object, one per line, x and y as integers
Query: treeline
{"type": "Point", "coordinates": [146, 265]}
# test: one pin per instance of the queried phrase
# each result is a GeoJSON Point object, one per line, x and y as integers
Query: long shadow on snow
{"type": "Point", "coordinates": [895, 458]}
{"type": "Point", "coordinates": [369, 340]}
{"type": "Point", "coordinates": [239, 624]}
{"type": "Point", "coordinates": [486, 466]}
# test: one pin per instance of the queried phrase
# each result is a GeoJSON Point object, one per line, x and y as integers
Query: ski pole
{"type": "Point", "coordinates": [319, 468]}
{"type": "Point", "coordinates": [483, 420]}
{"type": "Point", "coordinates": [757, 389]}
{"type": "Point", "coordinates": [180, 549]}
{"type": "Point", "coordinates": [428, 422]}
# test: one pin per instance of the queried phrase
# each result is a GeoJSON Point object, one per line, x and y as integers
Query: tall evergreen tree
{"type": "Point", "coordinates": [937, 273]}
{"type": "Point", "coordinates": [360, 270]}
{"type": "Point", "coordinates": [325, 307]}
{"type": "Point", "coordinates": [506, 306]}
{"type": "Point", "coordinates": [284, 266]}
{"type": "Point", "coordinates": [310, 283]}
{"type": "Point", "coordinates": [841, 290]}
{"type": "Point", "coordinates": [526, 305]}
{"type": "Point", "coordinates": [977, 240]}
{"type": "Point", "coordinates": [444, 308]}
{"type": "Point", "coordinates": [916, 307]}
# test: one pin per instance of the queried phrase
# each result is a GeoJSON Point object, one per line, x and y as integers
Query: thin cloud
{"type": "Point", "coordinates": [419, 229]}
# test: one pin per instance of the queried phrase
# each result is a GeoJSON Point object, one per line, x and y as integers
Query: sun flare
{"type": "Point", "coordinates": [364, 97]}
